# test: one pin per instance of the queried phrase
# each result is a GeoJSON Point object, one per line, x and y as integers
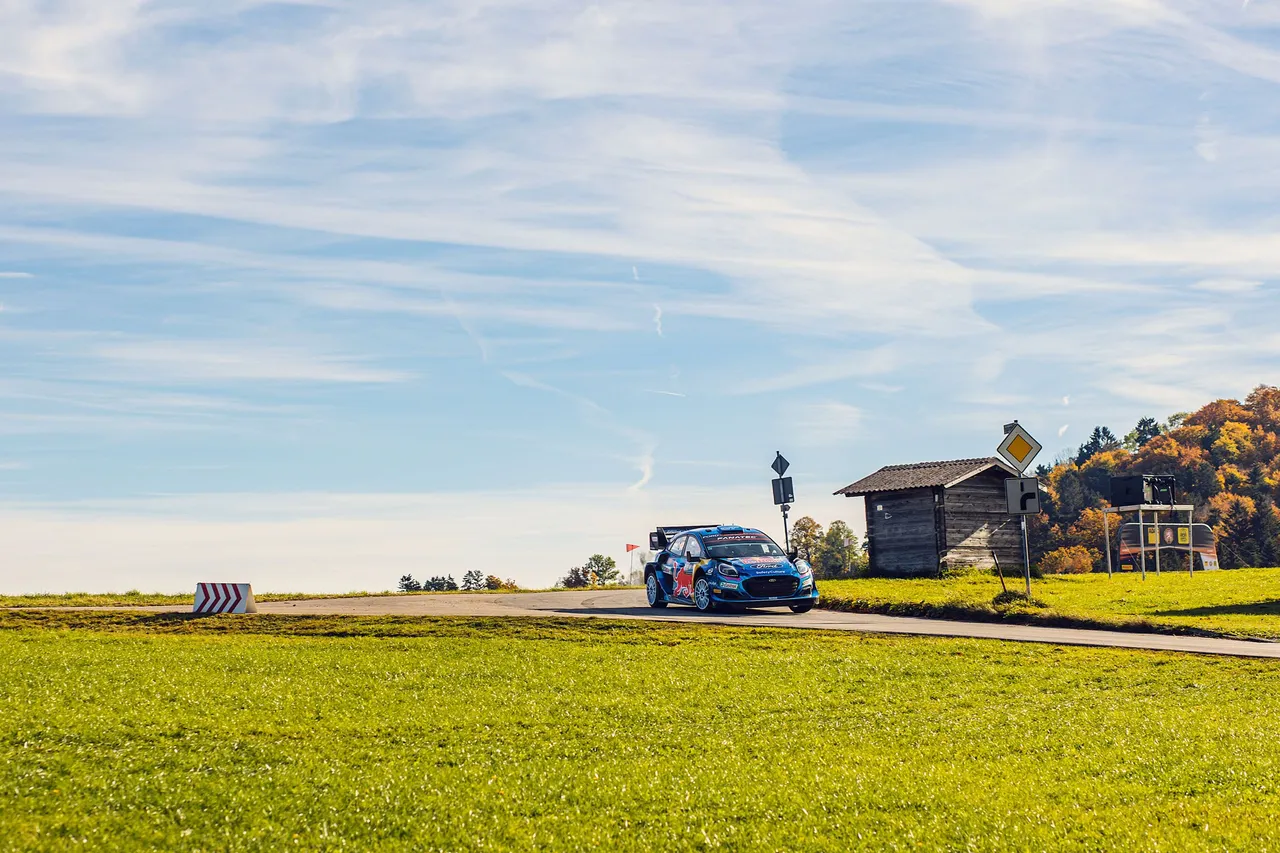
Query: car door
{"type": "Point", "coordinates": [696, 555]}
{"type": "Point", "coordinates": [688, 553]}
{"type": "Point", "coordinates": [675, 565]}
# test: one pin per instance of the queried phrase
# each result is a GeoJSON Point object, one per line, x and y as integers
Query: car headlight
{"type": "Point", "coordinates": [727, 570]}
{"type": "Point", "coordinates": [803, 567]}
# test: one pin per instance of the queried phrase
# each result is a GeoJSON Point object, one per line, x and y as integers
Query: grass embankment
{"type": "Point", "coordinates": [225, 733]}
{"type": "Point", "coordinates": [1239, 603]}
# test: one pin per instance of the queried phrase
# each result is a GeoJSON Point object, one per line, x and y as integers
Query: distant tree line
{"type": "Point", "coordinates": [472, 581]}
{"type": "Point", "coordinates": [1225, 457]}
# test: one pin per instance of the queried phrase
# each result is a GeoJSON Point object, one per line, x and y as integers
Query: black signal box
{"type": "Point", "coordinates": [1150, 489]}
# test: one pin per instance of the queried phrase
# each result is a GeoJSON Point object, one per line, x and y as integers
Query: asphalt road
{"type": "Point", "coordinates": [630, 604]}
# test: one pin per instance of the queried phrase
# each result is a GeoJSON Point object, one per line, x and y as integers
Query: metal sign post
{"type": "Point", "coordinates": [1019, 449]}
{"type": "Point", "coordinates": [1023, 496]}
{"type": "Point", "coordinates": [1142, 533]}
{"type": "Point", "coordinates": [783, 495]}
{"type": "Point", "coordinates": [1026, 557]}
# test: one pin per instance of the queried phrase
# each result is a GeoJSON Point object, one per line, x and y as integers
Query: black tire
{"type": "Point", "coordinates": [653, 591]}
{"type": "Point", "coordinates": [802, 607]}
{"type": "Point", "coordinates": [702, 595]}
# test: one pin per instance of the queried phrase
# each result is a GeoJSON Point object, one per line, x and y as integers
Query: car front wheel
{"type": "Point", "coordinates": [702, 595]}
{"type": "Point", "coordinates": [653, 592]}
{"type": "Point", "coordinates": [802, 607]}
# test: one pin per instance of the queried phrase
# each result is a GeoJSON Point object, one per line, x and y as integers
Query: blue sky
{"type": "Point", "coordinates": [316, 294]}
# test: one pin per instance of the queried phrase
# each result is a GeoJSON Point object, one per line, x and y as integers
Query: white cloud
{"type": "Point", "coordinates": [1062, 430]}
{"type": "Point", "coordinates": [1230, 286]}
{"type": "Point", "coordinates": [195, 361]}
{"type": "Point", "coordinates": [827, 424]}
{"type": "Point", "coordinates": [16, 275]}
{"type": "Point", "coordinates": [837, 366]}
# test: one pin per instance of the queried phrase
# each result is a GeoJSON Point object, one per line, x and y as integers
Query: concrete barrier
{"type": "Point", "coordinates": [224, 598]}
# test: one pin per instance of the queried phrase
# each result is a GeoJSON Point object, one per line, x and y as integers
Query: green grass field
{"type": "Point", "coordinates": [1239, 603]}
{"type": "Point", "coordinates": [153, 731]}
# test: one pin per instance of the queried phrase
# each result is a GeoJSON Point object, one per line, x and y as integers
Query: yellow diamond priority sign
{"type": "Point", "coordinates": [1019, 449]}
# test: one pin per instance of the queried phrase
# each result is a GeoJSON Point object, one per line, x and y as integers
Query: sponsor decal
{"type": "Point", "coordinates": [730, 584]}
{"type": "Point", "coordinates": [734, 538]}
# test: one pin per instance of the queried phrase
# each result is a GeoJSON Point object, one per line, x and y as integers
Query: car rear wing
{"type": "Point", "coordinates": [662, 537]}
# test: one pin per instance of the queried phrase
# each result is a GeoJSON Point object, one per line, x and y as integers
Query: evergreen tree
{"type": "Point", "coordinates": [408, 584]}
{"type": "Point", "coordinates": [473, 580]}
{"type": "Point", "coordinates": [1100, 440]}
{"type": "Point", "coordinates": [1147, 429]}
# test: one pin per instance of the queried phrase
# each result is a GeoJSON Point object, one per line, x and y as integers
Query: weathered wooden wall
{"type": "Point", "coordinates": [903, 532]}
{"type": "Point", "coordinates": [977, 521]}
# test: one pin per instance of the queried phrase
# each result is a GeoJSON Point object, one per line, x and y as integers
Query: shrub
{"type": "Point", "coordinates": [1072, 560]}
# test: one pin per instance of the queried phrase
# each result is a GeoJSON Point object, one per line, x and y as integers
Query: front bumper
{"type": "Point", "coordinates": [725, 591]}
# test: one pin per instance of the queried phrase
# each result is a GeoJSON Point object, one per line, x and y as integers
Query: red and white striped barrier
{"type": "Point", "coordinates": [224, 598]}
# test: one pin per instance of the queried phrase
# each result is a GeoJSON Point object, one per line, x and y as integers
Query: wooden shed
{"type": "Point", "coordinates": [930, 516]}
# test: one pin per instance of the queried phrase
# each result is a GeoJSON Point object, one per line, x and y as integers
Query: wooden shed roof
{"type": "Point", "coordinates": [922, 475]}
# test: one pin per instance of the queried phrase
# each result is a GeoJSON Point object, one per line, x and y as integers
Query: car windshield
{"type": "Point", "coordinates": [743, 547]}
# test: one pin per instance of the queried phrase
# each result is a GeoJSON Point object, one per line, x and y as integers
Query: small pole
{"type": "Point", "coordinates": [1158, 540]}
{"type": "Point", "coordinates": [786, 531]}
{"type": "Point", "coordinates": [1191, 545]}
{"type": "Point", "coordinates": [1026, 557]}
{"type": "Point", "coordinates": [1142, 540]}
{"type": "Point", "coordinates": [999, 571]}
{"type": "Point", "coordinates": [1106, 536]}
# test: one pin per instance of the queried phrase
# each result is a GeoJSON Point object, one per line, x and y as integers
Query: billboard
{"type": "Point", "coordinates": [1195, 538]}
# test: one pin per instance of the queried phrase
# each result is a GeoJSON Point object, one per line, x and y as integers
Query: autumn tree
{"type": "Point", "coordinates": [1225, 458]}
{"type": "Point", "coordinates": [839, 554]}
{"type": "Point", "coordinates": [806, 538]}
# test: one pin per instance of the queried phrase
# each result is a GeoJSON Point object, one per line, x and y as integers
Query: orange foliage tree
{"type": "Point", "coordinates": [1225, 456]}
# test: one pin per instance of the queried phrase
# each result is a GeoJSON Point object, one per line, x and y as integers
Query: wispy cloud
{"type": "Point", "coordinates": [194, 361]}
{"type": "Point", "coordinates": [828, 424]}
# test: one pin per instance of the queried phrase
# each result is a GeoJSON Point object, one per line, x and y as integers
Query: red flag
{"type": "Point", "coordinates": [631, 548]}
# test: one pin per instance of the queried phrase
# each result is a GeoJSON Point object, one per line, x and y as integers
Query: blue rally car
{"type": "Point", "coordinates": [721, 566]}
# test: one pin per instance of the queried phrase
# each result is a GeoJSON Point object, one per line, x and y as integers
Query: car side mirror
{"type": "Point", "coordinates": [793, 555]}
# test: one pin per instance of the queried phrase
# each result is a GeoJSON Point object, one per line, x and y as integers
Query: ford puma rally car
{"type": "Point", "coordinates": [725, 567]}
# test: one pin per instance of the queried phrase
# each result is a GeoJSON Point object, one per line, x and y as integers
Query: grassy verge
{"type": "Point", "coordinates": [155, 731]}
{"type": "Point", "coordinates": [1240, 603]}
